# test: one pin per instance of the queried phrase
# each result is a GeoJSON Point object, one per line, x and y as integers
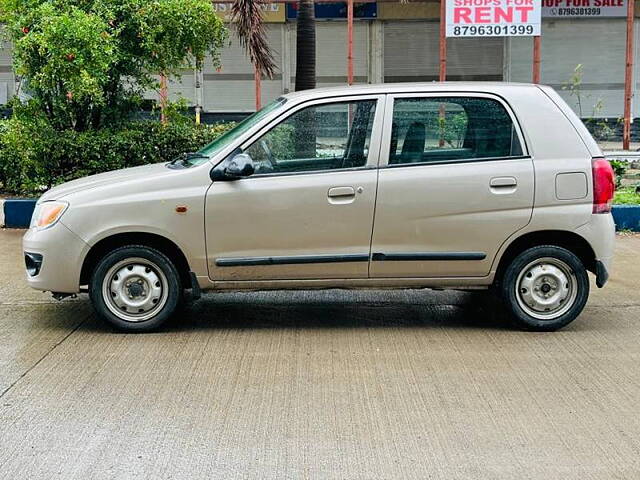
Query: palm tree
{"type": "Point", "coordinates": [306, 46]}
{"type": "Point", "coordinates": [250, 30]}
{"type": "Point", "coordinates": [247, 16]}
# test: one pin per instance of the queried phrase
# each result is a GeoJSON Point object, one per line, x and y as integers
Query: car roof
{"type": "Point", "coordinates": [410, 87]}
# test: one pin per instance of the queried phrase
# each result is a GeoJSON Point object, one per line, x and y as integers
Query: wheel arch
{"type": "Point", "coordinates": [573, 242]}
{"type": "Point", "coordinates": [153, 240]}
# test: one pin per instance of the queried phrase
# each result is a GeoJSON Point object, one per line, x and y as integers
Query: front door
{"type": "Point", "coordinates": [307, 212]}
{"type": "Point", "coordinates": [455, 183]}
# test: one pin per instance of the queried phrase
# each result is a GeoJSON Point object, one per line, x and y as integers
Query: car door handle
{"type": "Point", "coordinates": [341, 195]}
{"type": "Point", "coordinates": [503, 185]}
{"type": "Point", "coordinates": [341, 192]}
{"type": "Point", "coordinates": [503, 182]}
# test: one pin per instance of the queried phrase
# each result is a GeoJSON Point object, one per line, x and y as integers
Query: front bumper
{"type": "Point", "coordinates": [60, 252]}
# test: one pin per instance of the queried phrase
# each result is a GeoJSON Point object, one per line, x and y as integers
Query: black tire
{"type": "Point", "coordinates": [544, 269]}
{"type": "Point", "coordinates": [160, 288]}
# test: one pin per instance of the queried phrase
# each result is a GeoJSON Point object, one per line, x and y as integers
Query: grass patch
{"type": "Point", "coordinates": [626, 196]}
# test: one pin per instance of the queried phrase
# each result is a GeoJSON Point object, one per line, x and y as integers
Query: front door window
{"type": "Point", "coordinates": [329, 136]}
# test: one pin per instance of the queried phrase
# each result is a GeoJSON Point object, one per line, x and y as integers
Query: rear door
{"type": "Point", "coordinates": [455, 182]}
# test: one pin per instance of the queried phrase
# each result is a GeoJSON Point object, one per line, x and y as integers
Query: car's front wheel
{"type": "Point", "coordinates": [135, 288]}
{"type": "Point", "coordinates": [545, 288]}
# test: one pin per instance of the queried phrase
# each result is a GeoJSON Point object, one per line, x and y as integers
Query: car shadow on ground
{"type": "Point", "coordinates": [334, 309]}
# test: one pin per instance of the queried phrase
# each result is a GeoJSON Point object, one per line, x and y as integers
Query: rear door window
{"type": "Point", "coordinates": [451, 129]}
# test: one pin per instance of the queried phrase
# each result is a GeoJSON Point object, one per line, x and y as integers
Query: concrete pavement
{"type": "Point", "coordinates": [408, 384]}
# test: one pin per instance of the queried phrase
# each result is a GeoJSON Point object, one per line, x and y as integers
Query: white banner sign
{"type": "Point", "coordinates": [584, 8]}
{"type": "Point", "coordinates": [493, 18]}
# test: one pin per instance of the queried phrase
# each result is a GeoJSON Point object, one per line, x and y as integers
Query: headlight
{"type": "Point", "coordinates": [46, 214]}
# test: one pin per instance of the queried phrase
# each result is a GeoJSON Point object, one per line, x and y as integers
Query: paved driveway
{"type": "Point", "coordinates": [411, 384]}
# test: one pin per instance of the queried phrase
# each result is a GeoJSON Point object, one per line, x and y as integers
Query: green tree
{"type": "Point", "coordinates": [87, 62]}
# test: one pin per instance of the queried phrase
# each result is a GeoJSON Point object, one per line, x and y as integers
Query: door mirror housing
{"type": "Point", "coordinates": [235, 167]}
{"type": "Point", "coordinates": [240, 165]}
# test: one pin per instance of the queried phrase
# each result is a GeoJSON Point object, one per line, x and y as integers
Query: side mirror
{"type": "Point", "coordinates": [238, 166]}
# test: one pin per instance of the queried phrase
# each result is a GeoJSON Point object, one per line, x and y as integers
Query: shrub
{"type": "Point", "coordinates": [35, 157]}
{"type": "Point", "coordinates": [619, 169]}
{"type": "Point", "coordinates": [626, 196]}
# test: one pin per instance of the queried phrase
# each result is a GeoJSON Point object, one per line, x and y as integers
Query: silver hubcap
{"type": "Point", "coordinates": [135, 289]}
{"type": "Point", "coordinates": [546, 288]}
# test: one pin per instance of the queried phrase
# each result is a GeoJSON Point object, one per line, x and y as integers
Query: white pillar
{"type": "Point", "coordinates": [198, 83]}
{"type": "Point", "coordinates": [375, 69]}
{"type": "Point", "coordinates": [506, 60]}
{"type": "Point", "coordinates": [285, 61]}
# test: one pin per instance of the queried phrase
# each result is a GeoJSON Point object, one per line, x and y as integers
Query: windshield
{"type": "Point", "coordinates": [204, 154]}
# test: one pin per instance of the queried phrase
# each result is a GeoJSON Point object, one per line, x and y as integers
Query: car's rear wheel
{"type": "Point", "coordinates": [545, 288]}
{"type": "Point", "coordinates": [135, 288]}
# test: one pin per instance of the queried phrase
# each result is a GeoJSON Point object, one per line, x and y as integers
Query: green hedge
{"type": "Point", "coordinates": [34, 157]}
{"type": "Point", "coordinates": [626, 196]}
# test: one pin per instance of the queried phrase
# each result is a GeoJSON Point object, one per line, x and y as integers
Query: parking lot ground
{"type": "Point", "coordinates": [328, 384]}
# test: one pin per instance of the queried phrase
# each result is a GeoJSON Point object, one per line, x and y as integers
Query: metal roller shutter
{"type": "Point", "coordinates": [479, 59]}
{"type": "Point", "coordinates": [597, 44]}
{"type": "Point", "coordinates": [410, 51]}
{"type": "Point", "coordinates": [331, 53]}
{"type": "Point", "coordinates": [7, 79]}
{"type": "Point", "coordinates": [232, 89]}
{"type": "Point", "coordinates": [411, 54]}
{"type": "Point", "coordinates": [185, 88]}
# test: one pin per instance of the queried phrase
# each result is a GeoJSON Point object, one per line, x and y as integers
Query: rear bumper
{"type": "Point", "coordinates": [602, 274]}
{"type": "Point", "coordinates": [600, 232]}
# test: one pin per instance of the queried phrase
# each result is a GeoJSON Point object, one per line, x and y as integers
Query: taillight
{"type": "Point", "coordinates": [604, 185]}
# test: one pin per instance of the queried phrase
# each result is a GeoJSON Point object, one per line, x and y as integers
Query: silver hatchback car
{"type": "Point", "coordinates": [436, 185]}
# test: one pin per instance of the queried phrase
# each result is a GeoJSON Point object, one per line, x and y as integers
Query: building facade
{"type": "Point", "coordinates": [396, 42]}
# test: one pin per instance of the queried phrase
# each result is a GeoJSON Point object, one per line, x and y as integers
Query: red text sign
{"type": "Point", "coordinates": [493, 18]}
